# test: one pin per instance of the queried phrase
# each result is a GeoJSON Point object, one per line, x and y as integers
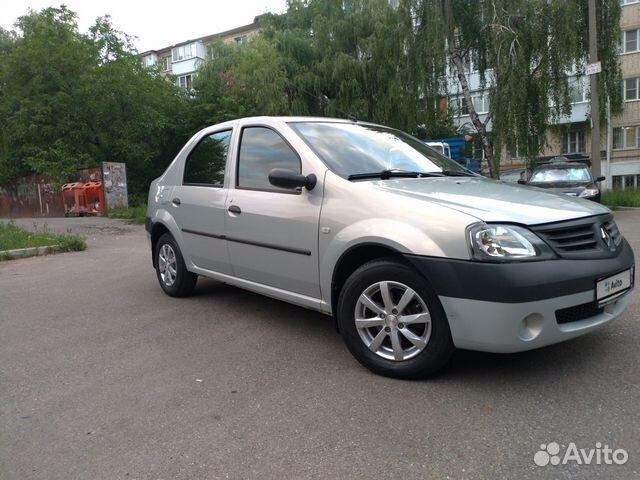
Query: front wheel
{"type": "Point", "coordinates": [172, 273]}
{"type": "Point", "coordinates": [392, 322]}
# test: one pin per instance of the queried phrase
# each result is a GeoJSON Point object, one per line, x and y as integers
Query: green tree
{"type": "Point", "coordinates": [239, 81]}
{"type": "Point", "coordinates": [350, 58]}
{"type": "Point", "coordinates": [70, 101]}
{"type": "Point", "coordinates": [523, 50]}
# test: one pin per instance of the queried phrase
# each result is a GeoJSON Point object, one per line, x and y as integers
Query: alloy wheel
{"type": "Point", "coordinates": [167, 265]}
{"type": "Point", "coordinates": [392, 320]}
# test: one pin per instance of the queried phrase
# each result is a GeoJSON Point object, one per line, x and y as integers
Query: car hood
{"type": "Point", "coordinates": [567, 189]}
{"type": "Point", "coordinates": [491, 200]}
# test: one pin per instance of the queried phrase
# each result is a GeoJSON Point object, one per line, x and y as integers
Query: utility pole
{"type": "Point", "coordinates": [595, 106]}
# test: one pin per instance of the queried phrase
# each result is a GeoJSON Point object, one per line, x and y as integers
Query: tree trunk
{"type": "Point", "coordinates": [481, 128]}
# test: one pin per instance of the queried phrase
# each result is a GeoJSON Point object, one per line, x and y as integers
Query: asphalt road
{"type": "Point", "coordinates": [99, 379]}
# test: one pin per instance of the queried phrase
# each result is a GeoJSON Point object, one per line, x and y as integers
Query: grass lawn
{"type": "Point", "coordinates": [621, 198]}
{"type": "Point", "coordinates": [133, 214]}
{"type": "Point", "coordinates": [13, 237]}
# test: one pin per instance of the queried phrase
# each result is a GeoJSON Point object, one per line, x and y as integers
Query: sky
{"type": "Point", "coordinates": [156, 24]}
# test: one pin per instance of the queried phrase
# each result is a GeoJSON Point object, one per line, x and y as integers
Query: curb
{"type": "Point", "coordinates": [29, 252]}
{"type": "Point", "coordinates": [622, 209]}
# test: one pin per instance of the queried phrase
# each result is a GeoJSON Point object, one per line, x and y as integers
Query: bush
{"type": "Point", "coordinates": [621, 198]}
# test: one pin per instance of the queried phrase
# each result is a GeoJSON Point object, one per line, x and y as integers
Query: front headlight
{"type": "Point", "coordinates": [589, 192]}
{"type": "Point", "coordinates": [503, 243]}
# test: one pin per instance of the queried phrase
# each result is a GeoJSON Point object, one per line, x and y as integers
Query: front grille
{"type": "Point", "coordinates": [571, 239]}
{"type": "Point", "coordinates": [579, 312]}
{"type": "Point", "coordinates": [581, 238]}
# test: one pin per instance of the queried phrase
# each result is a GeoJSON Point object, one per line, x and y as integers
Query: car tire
{"type": "Point", "coordinates": [174, 278]}
{"type": "Point", "coordinates": [422, 345]}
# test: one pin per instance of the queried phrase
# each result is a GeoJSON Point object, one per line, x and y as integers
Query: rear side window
{"type": "Point", "coordinates": [206, 163]}
{"type": "Point", "coordinates": [261, 150]}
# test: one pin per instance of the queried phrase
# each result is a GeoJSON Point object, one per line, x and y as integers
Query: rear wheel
{"type": "Point", "coordinates": [172, 273]}
{"type": "Point", "coordinates": [392, 322]}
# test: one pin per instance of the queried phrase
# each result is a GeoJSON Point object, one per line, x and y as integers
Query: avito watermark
{"type": "Point", "coordinates": [551, 454]}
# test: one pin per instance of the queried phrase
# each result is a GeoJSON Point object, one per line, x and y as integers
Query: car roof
{"type": "Point", "coordinates": [308, 119]}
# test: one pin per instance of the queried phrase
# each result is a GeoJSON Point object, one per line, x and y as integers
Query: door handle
{"type": "Point", "coordinates": [176, 201]}
{"type": "Point", "coordinates": [235, 209]}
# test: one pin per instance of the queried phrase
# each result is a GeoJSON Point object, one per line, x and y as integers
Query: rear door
{"type": "Point", "coordinates": [198, 202]}
{"type": "Point", "coordinates": [272, 233]}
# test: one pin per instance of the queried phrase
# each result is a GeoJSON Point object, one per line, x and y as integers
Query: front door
{"type": "Point", "coordinates": [272, 233]}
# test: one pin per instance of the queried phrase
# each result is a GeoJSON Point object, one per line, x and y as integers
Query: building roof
{"type": "Point", "coordinates": [209, 38]}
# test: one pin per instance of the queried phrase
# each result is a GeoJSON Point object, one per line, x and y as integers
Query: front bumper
{"type": "Point", "coordinates": [514, 307]}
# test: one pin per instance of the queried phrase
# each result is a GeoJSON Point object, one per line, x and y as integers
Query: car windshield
{"type": "Point", "coordinates": [551, 175]}
{"type": "Point", "coordinates": [351, 149]}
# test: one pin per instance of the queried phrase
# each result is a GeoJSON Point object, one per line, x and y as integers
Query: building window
{"type": "Point", "coordinates": [624, 182]}
{"type": "Point", "coordinates": [166, 63]}
{"type": "Point", "coordinates": [573, 142]}
{"type": "Point", "coordinates": [184, 82]}
{"type": "Point", "coordinates": [481, 104]}
{"type": "Point", "coordinates": [149, 60]}
{"type": "Point", "coordinates": [183, 52]}
{"type": "Point", "coordinates": [631, 89]}
{"type": "Point", "coordinates": [471, 62]}
{"type": "Point", "coordinates": [241, 40]}
{"type": "Point", "coordinates": [628, 2]}
{"type": "Point", "coordinates": [458, 106]}
{"type": "Point", "coordinates": [579, 90]}
{"type": "Point", "coordinates": [626, 137]}
{"type": "Point", "coordinates": [629, 41]}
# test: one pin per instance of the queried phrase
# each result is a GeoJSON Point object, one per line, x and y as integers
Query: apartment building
{"type": "Point", "coordinates": [183, 59]}
{"type": "Point", "coordinates": [571, 135]}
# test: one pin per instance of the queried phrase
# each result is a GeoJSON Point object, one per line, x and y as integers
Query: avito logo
{"type": "Point", "coordinates": [602, 454]}
{"type": "Point", "coordinates": [610, 286]}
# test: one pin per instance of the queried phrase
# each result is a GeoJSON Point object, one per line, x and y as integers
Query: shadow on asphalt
{"type": "Point", "coordinates": [582, 353]}
{"type": "Point", "coordinates": [573, 356]}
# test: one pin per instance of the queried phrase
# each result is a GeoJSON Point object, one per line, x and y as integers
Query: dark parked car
{"type": "Point", "coordinates": [562, 176]}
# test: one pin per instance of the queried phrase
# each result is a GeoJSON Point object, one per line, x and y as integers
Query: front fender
{"type": "Point", "coordinates": [395, 235]}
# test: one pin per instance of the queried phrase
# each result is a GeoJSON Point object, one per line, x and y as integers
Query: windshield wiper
{"type": "Point", "coordinates": [458, 173]}
{"type": "Point", "coordinates": [387, 174]}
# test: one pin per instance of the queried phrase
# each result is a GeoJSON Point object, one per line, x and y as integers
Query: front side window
{"type": "Point", "coordinates": [261, 150]}
{"type": "Point", "coordinates": [206, 163]}
{"type": "Point", "coordinates": [350, 149]}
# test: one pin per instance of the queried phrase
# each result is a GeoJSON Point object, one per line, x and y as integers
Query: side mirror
{"type": "Point", "coordinates": [601, 179]}
{"type": "Point", "coordinates": [285, 178]}
{"type": "Point", "coordinates": [522, 182]}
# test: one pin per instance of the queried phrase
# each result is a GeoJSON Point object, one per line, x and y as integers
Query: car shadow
{"type": "Point", "coordinates": [566, 358]}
